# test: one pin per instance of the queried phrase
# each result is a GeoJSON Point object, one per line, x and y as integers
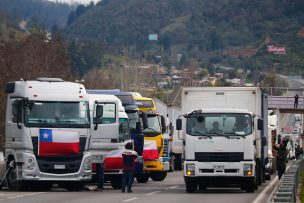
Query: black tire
{"type": "Point", "coordinates": [263, 174]}
{"type": "Point", "coordinates": [160, 176]}
{"type": "Point", "coordinates": [178, 165]}
{"type": "Point", "coordinates": [143, 179]}
{"type": "Point", "coordinates": [267, 176]}
{"type": "Point", "coordinates": [258, 172]}
{"type": "Point", "coordinates": [74, 186]}
{"type": "Point", "coordinates": [11, 178]}
{"type": "Point", "coordinates": [116, 182]}
{"type": "Point", "coordinates": [250, 186]}
{"type": "Point", "coordinates": [190, 186]}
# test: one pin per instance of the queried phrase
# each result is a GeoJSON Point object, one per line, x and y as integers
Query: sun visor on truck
{"type": "Point", "coordinates": [10, 87]}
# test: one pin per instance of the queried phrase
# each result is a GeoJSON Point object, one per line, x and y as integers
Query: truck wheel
{"type": "Point", "coordinates": [160, 176]}
{"type": "Point", "coordinates": [190, 187]}
{"type": "Point", "coordinates": [11, 177]}
{"type": "Point", "coordinates": [116, 182]}
{"type": "Point", "coordinates": [178, 165]}
{"type": "Point", "coordinates": [249, 186]}
{"type": "Point", "coordinates": [267, 176]}
{"type": "Point", "coordinates": [74, 186]}
{"type": "Point", "coordinates": [143, 179]}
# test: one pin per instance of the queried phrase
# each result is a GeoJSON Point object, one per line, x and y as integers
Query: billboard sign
{"type": "Point", "coordinates": [276, 50]}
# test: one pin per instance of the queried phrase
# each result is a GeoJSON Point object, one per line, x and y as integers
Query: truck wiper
{"type": "Point", "coordinates": [203, 134]}
{"type": "Point", "coordinates": [221, 134]}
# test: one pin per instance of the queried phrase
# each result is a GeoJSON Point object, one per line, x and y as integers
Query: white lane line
{"type": "Point", "coordinates": [131, 199]}
{"type": "Point", "coordinates": [173, 187]}
{"type": "Point", "coordinates": [26, 195]}
{"type": "Point", "coordinates": [260, 197]}
{"type": "Point", "coordinates": [153, 193]}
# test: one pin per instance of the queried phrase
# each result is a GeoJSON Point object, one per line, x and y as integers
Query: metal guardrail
{"type": "Point", "coordinates": [287, 188]}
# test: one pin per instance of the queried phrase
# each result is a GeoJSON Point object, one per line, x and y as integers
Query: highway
{"type": "Point", "coordinates": [170, 190]}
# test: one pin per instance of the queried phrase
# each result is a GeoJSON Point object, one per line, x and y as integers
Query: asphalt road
{"type": "Point", "coordinates": [170, 190]}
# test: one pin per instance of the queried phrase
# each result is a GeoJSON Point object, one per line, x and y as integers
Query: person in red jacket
{"type": "Point", "coordinates": [129, 156]}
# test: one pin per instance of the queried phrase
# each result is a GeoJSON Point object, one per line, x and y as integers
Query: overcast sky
{"type": "Point", "coordinates": [77, 1]}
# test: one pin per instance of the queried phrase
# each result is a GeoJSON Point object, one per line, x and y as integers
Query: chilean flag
{"type": "Point", "coordinates": [150, 150]}
{"type": "Point", "coordinates": [114, 160]}
{"type": "Point", "coordinates": [56, 142]}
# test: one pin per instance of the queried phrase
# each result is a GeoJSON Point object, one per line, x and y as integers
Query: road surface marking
{"type": "Point", "coordinates": [31, 194]}
{"type": "Point", "coordinates": [173, 187]}
{"type": "Point", "coordinates": [153, 193]}
{"type": "Point", "coordinates": [260, 197]}
{"type": "Point", "coordinates": [131, 199]}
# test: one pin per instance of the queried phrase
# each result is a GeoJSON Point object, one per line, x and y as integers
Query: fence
{"type": "Point", "coordinates": [283, 102]}
{"type": "Point", "coordinates": [287, 188]}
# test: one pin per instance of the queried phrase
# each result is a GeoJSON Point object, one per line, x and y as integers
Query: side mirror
{"type": "Point", "coordinates": [145, 120]}
{"type": "Point", "coordinates": [99, 111]}
{"type": "Point", "coordinates": [163, 123]}
{"type": "Point", "coordinates": [17, 113]}
{"type": "Point", "coordinates": [98, 115]}
{"type": "Point", "coordinates": [260, 124]}
{"type": "Point", "coordinates": [138, 128]}
{"type": "Point", "coordinates": [179, 124]}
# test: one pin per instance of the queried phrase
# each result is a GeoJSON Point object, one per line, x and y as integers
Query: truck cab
{"type": "Point", "coordinates": [109, 132]}
{"type": "Point", "coordinates": [155, 169]}
{"type": "Point", "coordinates": [47, 134]}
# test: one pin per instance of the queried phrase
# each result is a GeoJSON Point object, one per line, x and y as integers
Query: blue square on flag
{"type": "Point", "coordinates": [45, 135]}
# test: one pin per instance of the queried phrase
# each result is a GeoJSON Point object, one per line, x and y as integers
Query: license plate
{"type": "Point", "coordinates": [59, 166]}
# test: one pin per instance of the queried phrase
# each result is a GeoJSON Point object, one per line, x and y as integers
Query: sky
{"type": "Point", "coordinates": [76, 1]}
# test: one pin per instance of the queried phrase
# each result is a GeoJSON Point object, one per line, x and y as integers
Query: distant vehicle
{"type": "Point", "coordinates": [296, 131]}
{"type": "Point", "coordinates": [298, 117]}
{"type": "Point", "coordinates": [297, 124]}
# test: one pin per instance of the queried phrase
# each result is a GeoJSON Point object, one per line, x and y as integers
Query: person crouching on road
{"type": "Point", "coordinates": [129, 157]}
{"type": "Point", "coordinates": [281, 158]}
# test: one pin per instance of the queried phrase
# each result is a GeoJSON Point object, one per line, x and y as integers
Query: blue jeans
{"type": "Point", "coordinates": [100, 175]}
{"type": "Point", "coordinates": [127, 179]}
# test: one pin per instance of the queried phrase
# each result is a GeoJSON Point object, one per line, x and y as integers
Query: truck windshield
{"type": "Point", "coordinates": [144, 103]}
{"type": "Point", "coordinates": [133, 118]}
{"type": "Point", "coordinates": [154, 126]}
{"type": "Point", "coordinates": [219, 124]}
{"type": "Point", "coordinates": [123, 129]}
{"type": "Point", "coordinates": [126, 99]}
{"type": "Point", "coordinates": [57, 114]}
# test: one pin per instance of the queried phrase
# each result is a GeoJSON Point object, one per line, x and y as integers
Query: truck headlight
{"type": "Point", "coordinates": [30, 164]}
{"type": "Point", "coordinates": [87, 164]}
{"type": "Point", "coordinates": [248, 169]}
{"type": "Point", "coordinates": [190, 169]}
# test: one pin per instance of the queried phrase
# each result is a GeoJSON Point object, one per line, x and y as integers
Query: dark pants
{"type": "Point", "coordinates": [296, 105]}
{"type": "Point", "coordinates": [100, 175]}
{"type": "Point", "coordinates": [127, 179]}
{"type": "Point", "coordinates": [281, 171]}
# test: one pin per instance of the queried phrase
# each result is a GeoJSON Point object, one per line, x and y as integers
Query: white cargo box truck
{"type": "Point", "coordinates": [224, 140]}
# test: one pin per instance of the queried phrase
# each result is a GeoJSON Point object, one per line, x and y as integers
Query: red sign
{"type": "Point", "coordinates": [276, 50]}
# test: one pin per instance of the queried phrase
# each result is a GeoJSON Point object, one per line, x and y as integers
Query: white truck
{"type": "Point", "coordinates": [176, 150]}
{"type": "Point", "coordinates": [47, 134]}
{"type": "Point", "coordinates": [109, 132]}
{"type": "Point", "coordinates": [223, 139]}
{"type": "Point", "coordinates": [273, 131]}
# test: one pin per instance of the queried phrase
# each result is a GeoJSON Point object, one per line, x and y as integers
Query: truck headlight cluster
{"type": "Point", "coordinates": [190, 169]}
{"type": "Point", "coordinates": [248, 169]}
{"type": "Point", "coordinates": [30, 163]}
{"type": "Point", "coordinates": [87, 164]}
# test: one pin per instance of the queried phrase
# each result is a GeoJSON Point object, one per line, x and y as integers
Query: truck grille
{"type": "Point", "coordinates": [72, 162]}
{"type": "Point", "coordinates": [219, 156]}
